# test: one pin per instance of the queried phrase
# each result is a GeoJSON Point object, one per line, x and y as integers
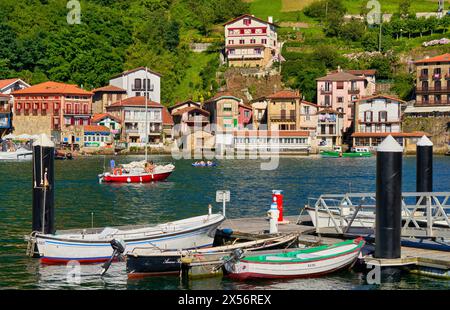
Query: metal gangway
{"type": "Point", "coordinates": [424, 215]}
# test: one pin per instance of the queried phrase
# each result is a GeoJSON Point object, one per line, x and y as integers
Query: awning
{"type": "Point", "coordinates": [432, 109]}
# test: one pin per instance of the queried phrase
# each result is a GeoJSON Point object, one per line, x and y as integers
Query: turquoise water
{"type": "Point", "coordinates": [186, 193]}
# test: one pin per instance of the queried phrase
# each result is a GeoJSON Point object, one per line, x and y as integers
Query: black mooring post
{"type": "Point", "coordinates": [424, 166]}
{"type": "Point", "coordinates": [43, 186]}
{"type": "Point", "coordinates": [388, 199]}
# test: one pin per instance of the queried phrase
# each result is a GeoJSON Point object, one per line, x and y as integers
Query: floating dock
{"type": "Point", "coordinates": [421, 261]}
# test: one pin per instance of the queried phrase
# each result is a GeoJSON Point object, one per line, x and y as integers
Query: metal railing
{"type": "Point", "coordinates": [423, 214]}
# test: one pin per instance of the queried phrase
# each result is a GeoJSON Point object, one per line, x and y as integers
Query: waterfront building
{"type": "Point", "coordinates": [132, 112]}
{"type": "Point", "coordinates": [105, 96]}
{"type": "Point", "coordinates": [372, 139]}
{"type": "Point", "coordinates": [376, 115]}
{"type": "Point", "coordinates": [330, 124]}
{"type": "Point", "coordinates": [5, 115]}
{"type": "Point", "coordinates": [251, 42]}
{"type": "Point", "coordinates": [97, 136]}
{"type": "Point", "coordinates": [57, 109]}
{"type": "Point", "coordinates": [259, 107]}
{"type": "Point", "coordinates": [183, 105]}
{"type": "Point", "coordinates": [167, 124]}
{"type": "Point", "coordinates": [339, 90]}
{"type": "Point", "coordinates": [432, 87]}
{"type": "Point", "coordinates": [109, 121]}
{"type": "Point", "coordinates": [192, 125]}
{"type": "Point", "coordinates": [139, 82]}
{"type": "Point", "coordinates": [225, 112]}
{"type": "Point", "coordinates": [283, 141]}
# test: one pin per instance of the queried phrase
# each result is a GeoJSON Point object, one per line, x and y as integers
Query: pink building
{"type": "Point", "coordinates": [245, 115]}
{"type": "Point", "coordinates": [339, 91]}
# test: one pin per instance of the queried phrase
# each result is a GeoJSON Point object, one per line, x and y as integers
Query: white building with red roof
{"type": "Point", "coordinates": [251, 41]}
{"type": "Point", "coordinates": [139, 82]}
{"type": "Point", "coordinates": [133, 114]}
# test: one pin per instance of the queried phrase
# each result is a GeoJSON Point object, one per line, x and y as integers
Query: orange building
{"type": "Point", "coordinates": [57, 109]}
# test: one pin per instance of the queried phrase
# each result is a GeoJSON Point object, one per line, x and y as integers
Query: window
{"type": "Point", "coordinates": [340, 99]}
{"type": "Point", "coordinates": [327, 86]}
{"type": "Point", "coordinates": [232, 51]}
{"type": "Point", "coordinates": [241, 41]}
{"type": "Point", "coordinates": [230, 41]}
{"type": "Point", "coordinates": [425, 85]}
{"type": "Point", "coordinates": [137, 84]}
{"type": "Point", "coordinates": [340, 85]}
{"type": "Point", "coordinates": [247, 21]}
{"type": "Point", "coordinates": [368, 116]}
{"type": "Point", "coordinates": [437, 85]}
{"type": "Point", "coordinates": [327, 100]}
{"type": "Point", "coordinates": [263, 41]}
{"type": "Point", "coordinates": [252, 41]}
{"type": "Point", "coordinates": [382, 116]}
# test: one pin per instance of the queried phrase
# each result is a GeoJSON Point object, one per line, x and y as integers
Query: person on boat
{"type": "Point", "coordinates": [209, 163]}
{"type": "Point", "coordinates": [112, 163]}
{"type": "Point", "coordinates": [202, 163]}
{"type": "Point", "coordinates": [149, 167]}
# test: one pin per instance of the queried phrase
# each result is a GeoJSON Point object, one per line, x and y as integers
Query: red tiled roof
{"type": "Point", "coordinates": [220, 95]}
{"type": "Point", "coordinates": [415, 134]}
{"type": "Point", "coordinates": [362, 72]}
{"type": "Point", "coordinates": [440, 58]}
{"type": "Point", "coordinates": [166, 117]}
{"type": "Point", "coordinates": [189, 109]}
{"type": "Point", "coordinates": [109, 88]}
{"type": "Point", "coordinates": [285, 94]}
{"type": "Point", "coordinates": [134, 70]}
{"type": "Point", "coordinates": [4, 83]}
{"type": "Point", "coordinates": [135, 102]}
{"type": "Point", "coordinates": [96, 128]}
{"type": "Point", "coordinates": [309, 103]}
{"type": "Point", "coordinates": [340, 76]}
{"type": "Point", "coordinates": [53, 88]}
{"type": "Point", "coordinates": [380, 96]}
{"type": "Point", "coordinates": [266, 133]}
{"type": "Point", "coordinates": [176, 105]}
{"type": "Point", "coordinates": [248, 15]}
{"type": "Point", "coordinates": [101, 116]}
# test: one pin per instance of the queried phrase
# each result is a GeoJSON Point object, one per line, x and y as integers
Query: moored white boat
{"type": "Point", "coordinates": [93, 245]}
{"type": "Point", "coordinates": [20, 154]}
{"type": "Point", "coordinates": [310, 262]}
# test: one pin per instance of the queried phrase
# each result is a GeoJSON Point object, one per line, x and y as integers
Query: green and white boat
{"type": "Point", "coordinates": [355, 152]}
{"type": "Point", "coordinates": [302, 263]}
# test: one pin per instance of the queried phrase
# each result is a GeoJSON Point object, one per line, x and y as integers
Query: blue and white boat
{"type": "Point", "coordinates": [93, 245]}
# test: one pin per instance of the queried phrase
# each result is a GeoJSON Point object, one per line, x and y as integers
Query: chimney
{"type": "Point", "coordinates": [270, 19]}
{"type": "Point", "coordinates": [339, 69]}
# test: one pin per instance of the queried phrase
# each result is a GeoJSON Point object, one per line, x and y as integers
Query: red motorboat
{"type": "Point", "coordinates": [137, 172]}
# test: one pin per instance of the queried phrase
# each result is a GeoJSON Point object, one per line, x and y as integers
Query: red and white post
{"type": "Point", "coordinates": [277, 197]}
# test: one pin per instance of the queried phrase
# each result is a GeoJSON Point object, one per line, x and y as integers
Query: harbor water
{"type": "Point", "coordinates": [82, 202]}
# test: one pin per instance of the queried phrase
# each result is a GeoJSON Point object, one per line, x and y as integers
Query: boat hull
{"type": "Point", "coordinates": [55, 250]}
{"type": "Point", "coordinates": [142, 178]}
{"type": "Point", "coordinates": [332, 154]}
{"type": "Point", "coordinates": [141, 265]}
{"type": "Point", "coordinates": [325, 261]}
{"type": "Point", "coordinates": [16, 155]}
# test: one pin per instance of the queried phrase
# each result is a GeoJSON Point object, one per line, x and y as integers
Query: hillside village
{"type": "Point", "coordinates": [350, 108]}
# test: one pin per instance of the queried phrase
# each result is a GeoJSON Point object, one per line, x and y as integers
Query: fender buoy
{"type": "Point", "coordinates": [129, 180]}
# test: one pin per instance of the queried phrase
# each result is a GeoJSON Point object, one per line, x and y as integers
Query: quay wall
{"type": "Point", "coordinates": [438, 127]}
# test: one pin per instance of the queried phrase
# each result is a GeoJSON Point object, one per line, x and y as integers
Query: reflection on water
{"type": "Point", "coordinates": [79, 198]}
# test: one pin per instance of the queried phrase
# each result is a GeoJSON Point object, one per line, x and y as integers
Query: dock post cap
{"type": "Point", "coordinates": [424, 141]}
{"type": "Point", "coordinates": [44, 141]}
{"type": "Point", "coordinates": [389, 145]}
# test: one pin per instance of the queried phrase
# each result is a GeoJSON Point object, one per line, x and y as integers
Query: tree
{"type": "Point", "coordinates": [404, 8]}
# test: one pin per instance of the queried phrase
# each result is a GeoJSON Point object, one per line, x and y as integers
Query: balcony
{"type": "Point", "coordinates": [283, 117]}
{"type": "Point", "coordinates": [437, 76]}
{"type": "Point", "coordinates": [76, 112]}
{"type": "Point", "coordinates": [324, 91]}
{"type": "Point", "coordinates": [197, 119]}
{"type": "Point", "coordinates": [244, 56]}
{"type": "Point", "coordinates": [423, 77]}
{"type": "Point", "coordinates": [141, 87]}
{"type": "Point", "coordinates": [354, 91]}
{"type": "Point", "coordinates": [432, 90]}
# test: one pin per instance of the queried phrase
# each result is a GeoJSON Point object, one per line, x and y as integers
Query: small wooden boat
{"type": "Point", "coordinates": [355, 152]}
{"type": "Point", "coordinates": [60, 155]}
{"type": "Point", "coordinates": [93, 245]}
{"type": "Point", "coordinates": [148, 262]}
{"type": "Point", "coordinates": [310, 262]}
{"type": "Point", "coordinates": [135, 173]}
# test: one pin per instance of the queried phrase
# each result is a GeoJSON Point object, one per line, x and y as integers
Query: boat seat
{"type": "Point", "coordinates": [108, 231]}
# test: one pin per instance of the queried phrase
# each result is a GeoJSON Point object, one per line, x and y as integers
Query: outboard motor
{"type": "Point", "coordinates": [118, 247]}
